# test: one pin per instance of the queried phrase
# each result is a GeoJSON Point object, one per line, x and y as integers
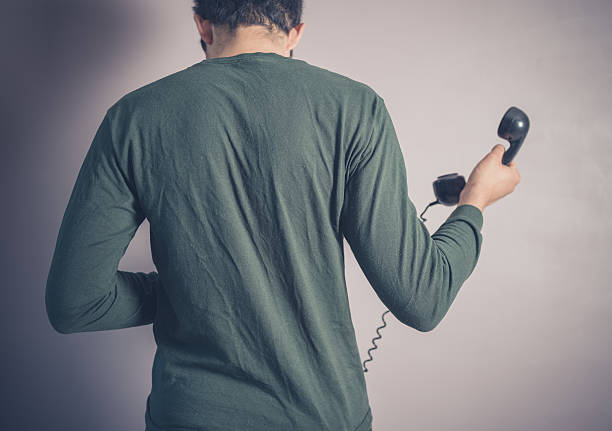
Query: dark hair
{"type": "Point", "coordinates": [282, 14]}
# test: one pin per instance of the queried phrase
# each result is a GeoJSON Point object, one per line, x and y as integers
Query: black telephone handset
{"type": "Point", "coordinates": [513, 127]}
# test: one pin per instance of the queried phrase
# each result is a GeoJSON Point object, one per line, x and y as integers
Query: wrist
{"type": "Point", "coordinates": [474, 197]}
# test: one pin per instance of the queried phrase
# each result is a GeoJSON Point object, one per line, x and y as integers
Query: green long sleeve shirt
{"type": "Point", "coordinates": [251, 170]}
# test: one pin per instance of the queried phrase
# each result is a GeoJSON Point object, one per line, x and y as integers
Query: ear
{"type": "Point", "coordinates": [204, 28]}
{"type": "Point", "coordinates": [294, 35]}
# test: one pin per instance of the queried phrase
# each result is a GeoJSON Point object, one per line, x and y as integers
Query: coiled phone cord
{"type": "Point", "coordinates": [379, 336]}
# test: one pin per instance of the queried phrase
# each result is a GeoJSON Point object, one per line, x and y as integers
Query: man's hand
{"type": "Point", "coordinates": [490, 180]}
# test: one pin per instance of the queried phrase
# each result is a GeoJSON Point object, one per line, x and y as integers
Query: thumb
{"type": "Point", "coordinates": [498, 151]}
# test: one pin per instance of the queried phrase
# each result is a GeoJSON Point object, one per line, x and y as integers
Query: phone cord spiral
{"type": "Point", "coordinates": [365, 370]}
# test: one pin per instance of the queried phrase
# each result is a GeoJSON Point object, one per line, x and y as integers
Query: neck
{"type": "Point", "coordinates": [248, 39]}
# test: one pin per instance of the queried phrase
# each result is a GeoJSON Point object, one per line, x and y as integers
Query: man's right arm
{"type": "Point", "coordinates": [417, 276]}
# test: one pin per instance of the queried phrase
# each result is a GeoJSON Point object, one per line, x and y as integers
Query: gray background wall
{"type": "Point", "coordinates": [526, 344]}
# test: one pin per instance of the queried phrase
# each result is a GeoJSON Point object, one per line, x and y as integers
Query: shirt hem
{"type": "Point", "coordinates": [364, 425]}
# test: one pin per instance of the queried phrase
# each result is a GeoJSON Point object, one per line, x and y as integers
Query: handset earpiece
{"type": "Point", "coordinates": [513, 128]}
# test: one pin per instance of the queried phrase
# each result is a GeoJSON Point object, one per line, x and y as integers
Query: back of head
{"type": "Point", "coordinates": [275, 15]}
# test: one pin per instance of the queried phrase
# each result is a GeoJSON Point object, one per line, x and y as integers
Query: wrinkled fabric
{"type": "Point", "coordinates": [251, 171]}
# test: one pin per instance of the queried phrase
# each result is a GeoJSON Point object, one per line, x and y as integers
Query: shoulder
{"type": "Point", "coordinates": [152, 97]}
{"type": "Point", "coordinates": [335, 83]}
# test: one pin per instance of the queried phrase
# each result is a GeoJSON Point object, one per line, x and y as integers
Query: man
{"type": "Point", "coordinates": [251, 167]}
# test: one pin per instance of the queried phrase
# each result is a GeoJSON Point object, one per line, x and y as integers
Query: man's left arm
{"type": "Point", "coordinates": [85, 291]}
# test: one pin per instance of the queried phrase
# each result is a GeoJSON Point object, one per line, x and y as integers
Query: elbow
{"type": "Point", "coordinates": [427, 322]}
{"type": "Point", "coordinates": [57, 317]}
{"type": "Point", "coordinates": [59, 326]}
{"type": "Point", "coordinates": [417, 319]}
{"type": "Point", "coordinates": [430, 303]}
{"type": "Point", "coordinates": [58, 323]}
{"type": "Point", "coordinates": [426, 325]}
{"type": "Point", "coordinates": [422, 324]}
{"type": "Point", "coordinates": [61, 329]}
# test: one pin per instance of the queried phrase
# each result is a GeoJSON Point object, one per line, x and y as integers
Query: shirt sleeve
{"type": "Point", "coordinates": [85, 291]}
{"type": "Point", "coordinates": [415, 275]}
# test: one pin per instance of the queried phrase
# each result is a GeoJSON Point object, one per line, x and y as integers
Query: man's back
{"type": "Point", "coordinates": [241, 178]}
{"type": "Point", "coordinates": [251, 170]}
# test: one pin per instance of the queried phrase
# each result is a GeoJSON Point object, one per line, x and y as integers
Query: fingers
{"type": "Point", "coordinates": [513, 166]}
